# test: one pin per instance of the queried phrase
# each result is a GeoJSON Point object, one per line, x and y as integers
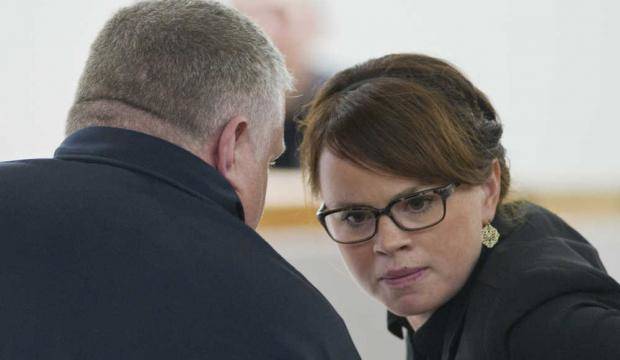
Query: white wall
{"type": "Point", "coordinates": [45, 45]}
{"type": "Point", "coordinates": [549, 66]}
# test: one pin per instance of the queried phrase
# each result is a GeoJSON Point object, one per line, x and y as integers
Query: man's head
{"type": "Point", "coordinates": [195, 73]}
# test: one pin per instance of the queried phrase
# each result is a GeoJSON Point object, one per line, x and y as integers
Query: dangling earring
{"type": "Point", "coordinates": [490, 236]}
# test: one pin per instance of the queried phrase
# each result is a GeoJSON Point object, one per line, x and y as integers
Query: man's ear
{"type": "Point", "coordinates": [233, 140]}
{"type": "Point", "coordinates": [491, 189]}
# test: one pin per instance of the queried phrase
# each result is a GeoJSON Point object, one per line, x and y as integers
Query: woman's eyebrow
{"type": "Point", "coordinates": [409, 191]}
{"type": "Point", "coordinates": [347, 205]}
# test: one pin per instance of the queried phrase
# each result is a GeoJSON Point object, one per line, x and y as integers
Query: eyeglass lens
{"type": "Point", "coordinates": [415, 212]}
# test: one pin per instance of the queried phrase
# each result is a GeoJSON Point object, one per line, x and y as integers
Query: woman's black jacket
{"type": "Point", "coordinates": [540, 293]}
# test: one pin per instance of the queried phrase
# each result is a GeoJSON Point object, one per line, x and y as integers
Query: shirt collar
{"type": "Point", "coordinates": [429, 339]}
{"type": "Point", "coordinates": [153, 156]}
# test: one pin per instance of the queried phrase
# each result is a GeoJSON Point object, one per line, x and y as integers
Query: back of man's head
{"type": "Point", "coordinates": [178, 69]}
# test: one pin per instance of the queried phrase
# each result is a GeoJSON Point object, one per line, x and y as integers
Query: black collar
{"type": "Point", "coordinates": [432, 335]}
{"type": "Point", "coordinates": [153, 156]}
{"type": "Point", "coordinates": [440, 331]}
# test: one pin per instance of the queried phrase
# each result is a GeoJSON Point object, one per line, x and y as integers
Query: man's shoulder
{"type": "Point", "coordinates": [43, 171]}
{"type": "Point", "coordinates": [22, 179]}
{"type": "Point", "coordinates": [24, 166]}
{"type": "Point", "coordinates": [91, 219]}
{"type": "Point", "coordinates": [149, 254]}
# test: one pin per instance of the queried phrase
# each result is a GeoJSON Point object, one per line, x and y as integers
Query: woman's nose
{"type": "Point", "coordinates": [389, 237]}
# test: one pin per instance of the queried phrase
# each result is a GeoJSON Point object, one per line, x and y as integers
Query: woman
{"type": "Point", "coordinates": [465, 275]}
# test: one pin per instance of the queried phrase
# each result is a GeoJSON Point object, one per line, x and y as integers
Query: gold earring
{"type": "Point", "coordinates": [490, 236]}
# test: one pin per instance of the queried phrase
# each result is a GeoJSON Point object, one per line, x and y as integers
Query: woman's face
{"type": "Point", "coordinates": [411, 272]}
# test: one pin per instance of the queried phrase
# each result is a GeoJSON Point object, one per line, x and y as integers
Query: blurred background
{"type": "Point", "coordinates": [550, 67]}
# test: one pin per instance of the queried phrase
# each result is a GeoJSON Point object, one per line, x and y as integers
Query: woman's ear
{"type": "Point", "coordinates": [491, 190]}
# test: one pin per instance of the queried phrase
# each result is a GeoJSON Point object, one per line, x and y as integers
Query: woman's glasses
{"type": "Point", "coordinates": [416, 211]}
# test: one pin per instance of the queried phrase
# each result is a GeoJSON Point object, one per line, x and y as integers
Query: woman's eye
{"type": "Point", "coordinates": [355, 217]}
{"type": "Point", "coordinates": [418, 204]}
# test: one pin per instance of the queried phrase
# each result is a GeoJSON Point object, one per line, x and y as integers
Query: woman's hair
{"type": "Point", "coordinates": [407, 115]}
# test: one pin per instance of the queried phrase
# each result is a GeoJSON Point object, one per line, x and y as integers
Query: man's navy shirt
{"type": "Point", "coordinates": [125, 246]}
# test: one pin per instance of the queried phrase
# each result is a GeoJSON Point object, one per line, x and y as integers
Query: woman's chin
{"type": "Point", "coordinates": [408, 305]}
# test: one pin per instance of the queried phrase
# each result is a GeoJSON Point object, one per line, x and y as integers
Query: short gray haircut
{"type": "Point", "coordinates": [190, 64]}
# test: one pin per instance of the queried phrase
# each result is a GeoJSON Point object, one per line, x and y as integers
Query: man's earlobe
{"type": "Point", "coordinates": [231, 137]}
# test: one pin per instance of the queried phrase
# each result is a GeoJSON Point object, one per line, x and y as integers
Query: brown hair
{"type": "Point", "coordinates": [407, 115]}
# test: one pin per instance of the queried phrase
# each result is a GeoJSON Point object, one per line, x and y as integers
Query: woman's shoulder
{"type": "Point", "coordinates": [539, 267]}
{"type": "Point", "coordinates": [522, 221]}
{"type": "Point", "coordinates": [571, 326]}
{"type": "Point", "coordinates": [537, 243]}
{"type": "Point", "coordinates": [540, 256]}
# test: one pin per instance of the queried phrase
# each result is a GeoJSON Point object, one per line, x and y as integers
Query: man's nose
{"type": "Point", "coordinates": [389, 237]}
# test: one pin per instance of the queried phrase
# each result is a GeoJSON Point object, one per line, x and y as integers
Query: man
{"type": "Point", "coordinates": [136, 240]}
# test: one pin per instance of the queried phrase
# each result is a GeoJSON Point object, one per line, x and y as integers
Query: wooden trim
{"type": "Point", "coordinates": [581, 203]}
{"type": "Point", "coordinates": [289, 216]}
{"type": "Point", "coordinates": [574, 204]}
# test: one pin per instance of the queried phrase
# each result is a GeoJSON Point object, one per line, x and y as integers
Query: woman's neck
{"type": "Point", "coordinates": [416, 321]}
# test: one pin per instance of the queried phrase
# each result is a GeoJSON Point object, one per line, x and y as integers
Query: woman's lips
{"type": "Point", "coordinates": [403, 276]}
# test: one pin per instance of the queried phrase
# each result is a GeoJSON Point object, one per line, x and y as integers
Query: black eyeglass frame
{"type": "Point", "coordinates": [443, 191]}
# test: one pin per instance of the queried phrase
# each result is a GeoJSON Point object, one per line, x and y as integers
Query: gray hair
{"type": "Point", "coordinates": [186, 66]}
